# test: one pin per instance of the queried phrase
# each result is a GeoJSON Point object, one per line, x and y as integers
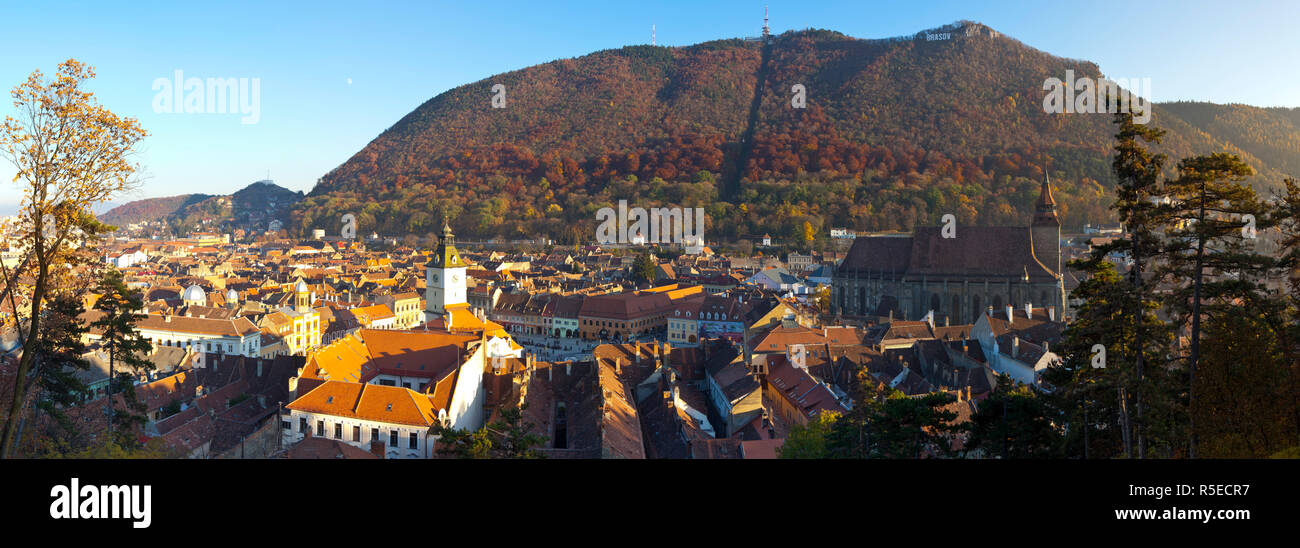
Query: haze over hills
{"type": "Point", "coordinates": [896, 133]}
{"type": "Point", "coordinates": [253, 206]}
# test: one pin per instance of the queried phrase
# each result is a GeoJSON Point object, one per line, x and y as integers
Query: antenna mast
{"type": "Point", "coordinates": [652, 34]}
{"type": "Point", "coordinates": [767, 31]}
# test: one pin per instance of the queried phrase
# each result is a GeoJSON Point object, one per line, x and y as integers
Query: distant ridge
{"type": "Point", "coordinates": [254, 207]}
{"type": "Point", "coordinates": [897, 132]}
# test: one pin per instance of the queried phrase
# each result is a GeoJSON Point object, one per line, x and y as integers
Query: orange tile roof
{"type": "Point", "coordinates": [781, 337]}
{"type": "Point", "coordinates": [372, 313]}
{"type": "Point", "coordinates": [370, 402]}
{"type": "Point", "coordinates": [428, 354]}
{"type": "Point", "coordinates": [464, 320]}
{"type": "Point", "coordinates": [345, 359]}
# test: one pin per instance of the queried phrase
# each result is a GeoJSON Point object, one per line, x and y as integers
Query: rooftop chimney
{"type": "Point", "coordinates": [1029, 310]}
{"type": "Point", "coordinates": [1051, 313]}
{"type": "Point", "coordinates": [1015, 345]}
{"type": "Point", "coordinates": [1011, 310]}
{"type": "Point", "coordinates": [618, 365]}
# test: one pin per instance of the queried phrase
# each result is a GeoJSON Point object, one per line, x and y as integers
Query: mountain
{"type": "Point", "coordinates": [896, 132]}
{"type": "Point", "coordinates": [252, 207]}
{"type": "Point", "coordinates": [150, 209]}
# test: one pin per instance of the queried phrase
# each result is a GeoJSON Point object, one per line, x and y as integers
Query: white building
{"type": "Point", "coordinates": [1015, 341]}
{"type": "Point", "coordinates": [361, 414]}
{"type": "Point", "coordinates": [379, 384]}
{"type": "Point", "coordinates": [126, 259]}
{"type": "Point", "coordinates": [203, 335]}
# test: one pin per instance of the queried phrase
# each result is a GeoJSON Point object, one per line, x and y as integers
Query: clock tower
{"type": "Point", "coordinates": [444, 278]}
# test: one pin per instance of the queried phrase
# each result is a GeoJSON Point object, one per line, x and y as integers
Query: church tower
{"type": "Point", "coordinates": [444, 278]}
{"type": "Point", "coordinates": [1046, 229]}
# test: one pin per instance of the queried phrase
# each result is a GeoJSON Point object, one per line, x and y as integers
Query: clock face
{"type": "Point", "coordinates": [435, 278]}
{"type": "Point", "coordinates": [455, 278]}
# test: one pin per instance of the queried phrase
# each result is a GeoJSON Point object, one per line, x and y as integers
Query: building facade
{"type": "Point", "coordinates": [958, 272]}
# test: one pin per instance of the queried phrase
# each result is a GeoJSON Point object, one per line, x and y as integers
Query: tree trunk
{"type": "Point", "coordinates": [1139, 342]}
{"type": "Point", "coordinates": [1196, 332]}
{"type": "Point", "coordinates": [1125, 432]}
{"type": "Point", "coordinates": [1086, 427]}
{"type": "Point", "coordinates": [29, 352]}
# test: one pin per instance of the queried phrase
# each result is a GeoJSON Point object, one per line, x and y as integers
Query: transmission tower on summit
{"type": "Point", "coordinates": [767, 31]}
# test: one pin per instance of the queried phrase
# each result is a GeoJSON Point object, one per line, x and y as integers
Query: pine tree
{"type": "Point", "coordinates": [809, 441]}
{"type": "Point", "coordinates": [509, 437]}
{"type": "Point", "coordinates": [1092, 387]}
{"type": "Point", "coordinates": [1137, 172]}
{"type": "Point", "coordinates": [125, 346]}
{"type": "Point", "coordinates": [643, 269]}
{"type": "Point", "coordinates": [59, 360]}
{"type": "Point", "coordinates": [1014, 422]}
{"type": "Point", "coordinates": [885, 423]}
{"type": "Point", "coordinates": [1205, 257]}
{"type": "Point", "coordinates": [910, 427]}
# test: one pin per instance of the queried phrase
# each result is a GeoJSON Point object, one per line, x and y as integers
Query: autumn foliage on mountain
{"type": "Point", "coordinates": [895, 133]}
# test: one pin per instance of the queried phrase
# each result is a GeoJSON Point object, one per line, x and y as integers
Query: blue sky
{"type": "Point", "coordinates": [398, 55]}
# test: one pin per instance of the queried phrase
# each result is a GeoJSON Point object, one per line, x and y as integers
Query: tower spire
{"type": "Point", "coordinates": [767, 31]}
{"type": "Point", "coordinates": [1045, 195]}
{"type": "Point", "coordinates": [1045, 207]}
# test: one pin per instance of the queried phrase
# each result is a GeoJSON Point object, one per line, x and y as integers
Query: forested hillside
{"type": "Point", "coordinates": [895, 133]}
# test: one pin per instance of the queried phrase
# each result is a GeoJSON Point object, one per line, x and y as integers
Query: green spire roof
{"type": "Point", "coordinates": [446, 256]}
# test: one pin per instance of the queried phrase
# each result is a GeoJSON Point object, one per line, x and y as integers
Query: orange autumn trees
{"type": "Point", "coordinates": [69, 154]}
